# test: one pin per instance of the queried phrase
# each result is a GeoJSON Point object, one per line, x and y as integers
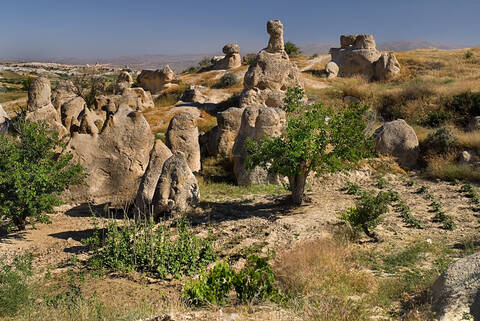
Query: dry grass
{"type": "Point", "coordinates": [324, 281]}
{"type": "Point", "coordinates": [445, 167]}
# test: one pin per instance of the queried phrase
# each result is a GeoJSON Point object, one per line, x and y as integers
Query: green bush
{"type": "Point", "coordinates": [436, 118]}
{"type": "Point", "coordinates": [26, 83]}
{"type": "Point", "coordinates": [366, 214]}
{"type": "Point", "coordinates": [32, 174]}
{"type": "Point", "coordinates": [441, 141]}
{"type": "Point", "coordinates": [248, 59]}
{"type": "Point", "coordinates": [352, 189]}
{"type": "Point", "coordinates": [254, 283]}
{"type": "Point", "coordinates": [227, 80]}
{"type": "Point", "coordinates": [466, 106]}
{"type": "Point", "coordinates": [212, 287]}
{"type": "Point", "coordinates": [15, 290]}
{"type": "Point", "coordinates": [292, 49]}
{"type": "Point", "coordinates": [142, 246]}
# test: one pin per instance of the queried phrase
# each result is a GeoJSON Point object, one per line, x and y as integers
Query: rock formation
{"type": "Point", "coordinates": [331, 69]}
{"type": "Point", "coordinates": [256, 123]}
{"type": "Point", "coordinates": [124, 81]}
{"type": "Point", "coordinates": [358, 55]}
{"type": "Point", "coordinates": [182, 137]}
{"type": "Point", "coordinates": [63, 92]}
{"type": "Point", "coordinates": [159, 154]}
{"type": "Point", "coordinates": [232, 57]}
{"type": "Point", "coordinates": [115, 159]}
{"type": "Point", "coordinates": [271, 73]}
{"type": "Point", "coordinates": [156, 80]}
{"type": "Point", "coordinates": [70, 111]}
{"type": "Point", "coordinates": [177, 189]}
{"type": "Point", "coordinates": [40, 107]}
{"type": "Point", "coordinates": [397, 139]}
{"type": "Point", "coordinates": [456, 292]}
{"type": "Point", "coordinates": [4, 121]}
{"type": "Point", "coordinates": [136, 98]}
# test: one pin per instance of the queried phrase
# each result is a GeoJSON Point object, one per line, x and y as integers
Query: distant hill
{"type": "Point", "coordinates": [397, 45]}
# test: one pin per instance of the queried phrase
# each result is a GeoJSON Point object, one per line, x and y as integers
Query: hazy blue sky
{"type": "Point", "coordinates": [106, 28]}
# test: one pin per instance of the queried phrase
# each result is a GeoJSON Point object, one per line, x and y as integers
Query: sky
{"type": "Point", "coordinates": [107, 29]}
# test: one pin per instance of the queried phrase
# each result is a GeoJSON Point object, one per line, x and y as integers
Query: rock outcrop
{"type": "Point", "coordinates": [331, 69]}
{"type": "Point", "coordinates": [4, 121]}
{"type": "Point", "coordinates": [156, 80]}
{"type": "Point", "coordinates": [124, 81]}
{"type": "Point", "coordinates": [115, 159]}
{"type": "Point", "coordinates": [177, 189]}
{"type": "Point", "coordinates": [63, 92]}
{"type": "Point", "coordinates": [398, 139]}
{"type": "Point", "coordinates": [40, 107]}
{"type": "Point", "coordinates": [70, 111]}
{"type": "Point", "coordinates": [159, 154]}
{"type": "Point", "coordinates": [456, 293]}
{"type": "Point", "coordinates": [232, 57]}
{"type": "Point", "coordinates": [271, 73]}
{"type": "Point", "coordinates": [182, 138]}
{"type": "Point", "coordinates": [136, 98]}
{"type": "Point", "coordinates": [358, 55]}
{"type": "Point", "coordinates": [256, 123]}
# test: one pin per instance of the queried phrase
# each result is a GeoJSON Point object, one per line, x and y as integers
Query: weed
{"type": "Point", "coordinates": [352, 189]}
{"type": "Point", "coordinates": [422, 189]}
{"type": "Point", "coordinates": [381, 183]}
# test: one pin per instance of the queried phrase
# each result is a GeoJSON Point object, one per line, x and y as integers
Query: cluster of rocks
{"type": "Point", "coordinates": [358, 55]}
{"type": "Point", "coordinates": [156, 81]}
{"type": "Point", "coordinates": [116, 147]}
{"type": "Point", "coordinates": [231, 59]}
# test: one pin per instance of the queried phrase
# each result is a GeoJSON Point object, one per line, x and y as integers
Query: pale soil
{"type": "Point", "coordinates": [250, 225]}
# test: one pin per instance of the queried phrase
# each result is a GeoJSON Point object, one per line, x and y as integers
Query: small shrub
{"type": "Point", "coordinates": [381, 183]}
{"type": "Point", "coordinates": [465, 106]}
{"type": "Point", "coordinates": [141, 246]}
{"type": "Point", "coordinates": [292, 49]}
{"type": "Point", "coordinates": [26, 83]}
{"type": "Point", "coordinates": [468, 55]}
{"type": "Point", "coordinates": [256, 282]}
{"type": "Point", "coordinates": [32, 175]}
{"type": "Point", "coordinates": [205, 62]}
{"type": "Point", "coordinates": [212, 287]}
{"type": "Point", "coordinates": [227, 80]}
{"type": "Point", "coordinates": [248, 59]}
{"type": "Point", "coordinates": [436, 118]}
{"type": "Point", "coordinates": [422, 189]}
{"type": "Point", "coordinates": [441, 141]}
{"type": "Point", "coordinates": [352, 189]}
{"type": "Point", "coordinates": [366, 214]}
{"type": "Point", "coordinates": [15, 291]}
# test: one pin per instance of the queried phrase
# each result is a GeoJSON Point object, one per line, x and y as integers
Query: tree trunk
{"type": "Point", "coordinates": [297, 184]}
{"type": "Point", "coordinates": [20, 222]}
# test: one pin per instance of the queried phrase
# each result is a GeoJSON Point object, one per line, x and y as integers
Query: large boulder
{"type": "Point", "coordinates": [331, 69]}
{"type": "Point", "coordinates": [136, 98]}
{"type": "Point", "coordinates": [232, 57]}
{"type": "Point", "coordinates": [40, 107]}
{"type": "Point", "coordinates": [386, 67]}
{"type": "Point", "coordinates": [256, 123]}
{"type": "Point", "coordinates": [195, 94]}
{"type": "Point", "coordinates": [156, 80]}
{"type": "Point", "coordinates": [456, 293]}
{"type": "Point", "coordinates": [159, 154]}
{"type": "Point", "coordinates": [398, 139]}
{"type": "Point", "coordinates": [4, 121]}
{"type": "Point", "coordinates": [182, 137]}
{"type": "Point", "coordinates": [63, 92]}
{"type": "Point", "coordinates": [271, 73]}
{"type": "Point", "coordinates": [177, 189]}
{"type": "Point", "coordinates": [115, 159]}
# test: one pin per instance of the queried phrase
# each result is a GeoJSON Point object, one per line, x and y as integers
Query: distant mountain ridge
{"type": "Point", "coordinates": [395, 45]}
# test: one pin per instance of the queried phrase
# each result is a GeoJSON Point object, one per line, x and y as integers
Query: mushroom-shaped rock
{"type": "Point", "coordinates": [456, 293]}
{"type": "Point", "coordinates": [182, 137]}
{"type": "Point", "coordinates": [124, 81]}
{"type": "Point", "coordinates": [159, 154]}
{"type": "Point", "coordinates": [177, 189]}
{"type": "Point", "coordinates": [232, 57]}
{"type": "Point", "coordinates": [397, 139]}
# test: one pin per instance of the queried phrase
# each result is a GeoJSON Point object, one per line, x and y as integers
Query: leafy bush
{"type": "Point", "coordinates": [141, 246]}
{"type": "Point", "coordinates": [352, 189]}
{"type": "Point", "coordinates": [26, 83]}
{"type": "Point", "coordinates": [436, 118]}
{"type": "Point", "coordinates": [205, 62]}
{"type": "Point", "coordinates": [15, 290]}
{"type": "Point", "coordinates": [466, 106]}
{"type": "Point", "coordinates": [212, 287]}
{"type": "Point", "coordinates": [366, 214]}
{"type": "Point", "coordinates": [256, 282]}
{"type": "Point", "coordinates": [248, 59]}
{"type": "Point", "coordinates": [32, 175]}
{"type": "Point", "coordinates": [227, 80]}
{"type": "Point", "coordinates": [441, 141]}
{"type": "Point", "coordinates": [292, 49]}
{"type": "Point", "coordinates": [316, 138]}
{"type": "Point", "coordinates": [468, 55]}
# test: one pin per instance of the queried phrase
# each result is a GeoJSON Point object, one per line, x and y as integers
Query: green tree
{"type": "Point", "coordinates": [292, 49]}
{"type": "Point", "coordinates": [32, 174]}
{"type": "Point", "coordinates": [316, 138]}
